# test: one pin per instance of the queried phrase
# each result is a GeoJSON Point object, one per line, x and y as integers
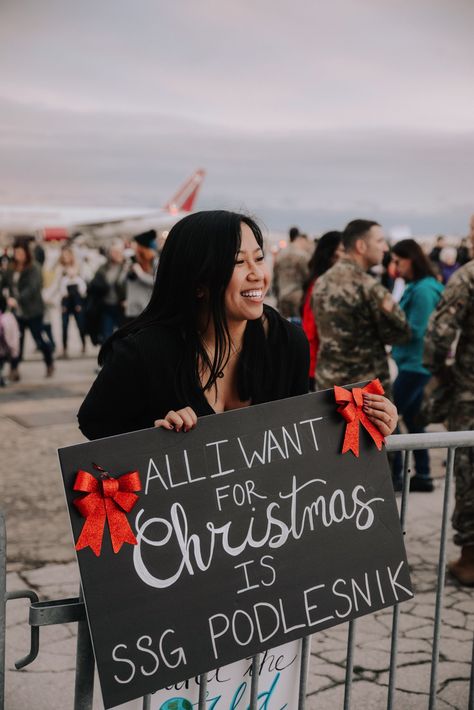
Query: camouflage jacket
{"type": "Point", "coordinates": [353, 328]}
{"type": "Point", "coordinates": [454, 315]}
{"type": "Point", "coordinates": [289, 274]}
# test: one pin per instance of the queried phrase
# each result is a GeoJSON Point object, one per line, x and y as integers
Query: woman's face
{"type": "Point", "coordinates": [115, 254]}
{"type": "Point", "coordinates": [145, 253]}
{"type": "Point", "coordinates": [19, 255]}
{"type": "Point", "coordinates": [67, 257]}
{"type": "Point", "coordinates": [249, 282]}
{"type": "Point", "coordinates": [403, 267]}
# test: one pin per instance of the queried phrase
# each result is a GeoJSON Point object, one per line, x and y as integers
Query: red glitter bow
{"type": "Point", "coordinates": [106, 500]}
{"type": "Point", "coordinates": [350, 406]}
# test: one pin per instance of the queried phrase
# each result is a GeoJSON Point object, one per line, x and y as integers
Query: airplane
{"type": "Point", "coordinates": [51, 223]}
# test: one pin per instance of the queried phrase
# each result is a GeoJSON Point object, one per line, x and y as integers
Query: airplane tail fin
{"type": "Point", "coordinates": [184, 199]}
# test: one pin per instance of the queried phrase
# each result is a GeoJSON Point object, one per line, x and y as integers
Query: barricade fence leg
{"type": "Point", "coordinates": [305, 646]}
{"type": "Point", "coordinates": [349, 664]}
{"type": "Point", "coordinates": [471, 684]}
{"type": "Point", "coordinates": [254, 683]}
{"type": "Point", "coordinates": [407, 464]}
{"type": "Point", "coordinates": [441, 576]}
{"type": "Point", "coordinates": [202, 691]}
{"type": "Point", "coordinates": [85, 665]}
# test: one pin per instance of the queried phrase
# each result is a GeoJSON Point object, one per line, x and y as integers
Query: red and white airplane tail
{"type": "Point", "coordinates": [184, 199]}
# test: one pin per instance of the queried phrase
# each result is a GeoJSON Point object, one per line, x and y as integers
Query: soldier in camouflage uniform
{"type": "Point", "coordinates": [355, 315]}
{"type": "Point", "coordinates": [290, 274]}
{"type": "Point", "coordinates": [455, 315]}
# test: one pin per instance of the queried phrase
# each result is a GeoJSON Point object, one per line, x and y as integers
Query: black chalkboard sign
{"type": "Point", "coordinates": [252, 530]}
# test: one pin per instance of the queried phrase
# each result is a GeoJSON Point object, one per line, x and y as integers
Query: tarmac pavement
{"type": "Point", "coordinates": [37, 416]}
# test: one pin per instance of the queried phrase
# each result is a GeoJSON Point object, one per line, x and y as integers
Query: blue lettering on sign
{"type": "Point", "coordinates": [238, 696]}
{"type": "Point", "coordinates": [268, 694]}
{"type": "Point", "coordinates": [213, 703]}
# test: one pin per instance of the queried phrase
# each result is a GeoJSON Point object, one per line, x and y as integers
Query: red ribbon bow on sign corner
{"type": "Point", "coordinates": [106, 500]}
{"type": "Point", "coordinates": [350, 406]}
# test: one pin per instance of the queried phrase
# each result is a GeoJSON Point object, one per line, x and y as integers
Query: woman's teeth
{"type": "Point", "coordinates": [252, 294]}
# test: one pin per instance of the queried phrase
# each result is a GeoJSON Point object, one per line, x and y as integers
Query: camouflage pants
{"type": "Point", "coordinates": [463, 517]}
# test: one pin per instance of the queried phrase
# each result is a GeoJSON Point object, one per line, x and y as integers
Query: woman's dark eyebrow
{"type": "Point", "coordinates": [254, 251]}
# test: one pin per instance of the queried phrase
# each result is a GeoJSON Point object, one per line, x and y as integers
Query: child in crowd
{"type": "Point", "coordinates": [9, 337]}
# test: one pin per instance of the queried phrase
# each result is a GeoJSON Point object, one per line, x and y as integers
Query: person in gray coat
{"type": "Point", "coordinates": [141, 275]}
{"type": "Point", "coordinates": [24, 283]}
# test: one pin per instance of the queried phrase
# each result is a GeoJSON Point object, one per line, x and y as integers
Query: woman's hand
{"type": "Point", "coordinates": [381, 412]}
{"type": "Point", "coordinates": [182, 420]}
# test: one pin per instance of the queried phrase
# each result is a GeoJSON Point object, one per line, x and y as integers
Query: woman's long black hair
{"type": "Point", "coordinates": [198, 258]}
{"type": "Point", "coordinates": [323, 256]}
{"type": "Point", "coordinates": [420, 264]}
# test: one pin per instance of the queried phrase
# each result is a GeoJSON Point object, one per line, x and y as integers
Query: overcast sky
{"type": "Point", "coordinates": [300, 113]}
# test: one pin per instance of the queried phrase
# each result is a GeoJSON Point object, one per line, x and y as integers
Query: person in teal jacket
{"type": "Point", "coordinates": [419, 300]}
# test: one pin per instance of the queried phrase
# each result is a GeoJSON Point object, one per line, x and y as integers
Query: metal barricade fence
{"type": "Point", "coordinates": [72, 610]}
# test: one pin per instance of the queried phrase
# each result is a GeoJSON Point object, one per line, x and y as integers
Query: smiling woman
{"type": "Point", "coordinates": [206, 342]}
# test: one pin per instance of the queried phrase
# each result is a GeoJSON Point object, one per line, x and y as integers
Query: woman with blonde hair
{"type": "Point", "coordinates": [72, 292]}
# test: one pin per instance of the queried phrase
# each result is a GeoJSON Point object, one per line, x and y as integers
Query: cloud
{"type": "Point", "coordinates": [321, 110]}
{"type": "Point", "coordinates": [252, 65]}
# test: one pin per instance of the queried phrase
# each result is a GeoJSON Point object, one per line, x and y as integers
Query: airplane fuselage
{"type": "Point", "coordinates": [16, 219]}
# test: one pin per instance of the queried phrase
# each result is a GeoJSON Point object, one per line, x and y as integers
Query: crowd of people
{"type": "Point", "coordinates": [99, 291]}
{"type": "Point", "coordinates": [352, 308]}
{"type": "Point", "coordinates": [347, 297]}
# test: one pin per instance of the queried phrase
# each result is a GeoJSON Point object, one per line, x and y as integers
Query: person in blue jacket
{"type": "Point", "coordinates": [421, 295]}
